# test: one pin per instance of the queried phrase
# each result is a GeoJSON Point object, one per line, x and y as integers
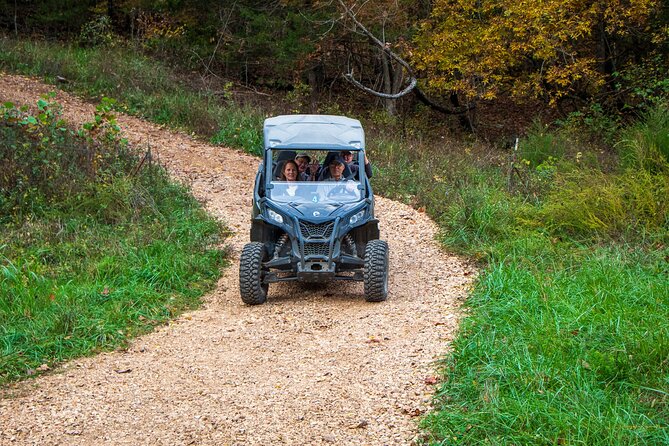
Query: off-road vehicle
{"type": "Point", "coordinates": [317, 229]}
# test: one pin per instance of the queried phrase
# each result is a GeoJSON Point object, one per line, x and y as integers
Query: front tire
{"type": "Point", "coordinates": [375, 271]}
{"type": "Point", "coordinates": [251, 274]}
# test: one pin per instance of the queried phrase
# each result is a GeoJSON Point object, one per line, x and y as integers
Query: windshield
{"type": "Point", "coordinates": [315, 176]}
{"type": "Point", "coordinates": [348, 191]}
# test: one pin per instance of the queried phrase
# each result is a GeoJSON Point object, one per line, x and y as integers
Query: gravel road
{"type": "Point", "coordinates": [312, 366]}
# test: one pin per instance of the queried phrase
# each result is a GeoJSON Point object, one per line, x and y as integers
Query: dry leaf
{"type": "Point", "coordinates": [431, 380]}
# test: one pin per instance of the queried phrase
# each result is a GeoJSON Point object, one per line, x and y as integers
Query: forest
{"type": "Point", "coordinates": [534, 134]}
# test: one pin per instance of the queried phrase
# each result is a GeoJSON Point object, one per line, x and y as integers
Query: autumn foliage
{"type": "Point", "coordinates": [550, 49]}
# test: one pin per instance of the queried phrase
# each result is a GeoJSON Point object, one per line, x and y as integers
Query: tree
{"type": "Point", "coordinates": [550, 49]}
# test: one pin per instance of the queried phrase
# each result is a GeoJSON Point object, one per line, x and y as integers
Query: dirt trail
{"type": "Point", "coordinates": [309, 367]}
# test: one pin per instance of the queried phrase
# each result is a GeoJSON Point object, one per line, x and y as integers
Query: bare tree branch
{"type": "Point", "coordinates": [408, 89]}
{"type": "Point", "coordinates": [413, 82]}
{"type": "Point", "coordinates": [387, 50]}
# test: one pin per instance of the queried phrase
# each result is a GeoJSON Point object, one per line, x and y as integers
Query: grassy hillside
{"type": "Point", "coordinates": [567, 335]}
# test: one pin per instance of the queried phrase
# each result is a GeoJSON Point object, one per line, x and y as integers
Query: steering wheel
{"type": "Point", "coordinates": [342, 190]}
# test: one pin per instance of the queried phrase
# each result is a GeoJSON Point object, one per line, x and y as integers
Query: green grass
{"type": "Point", "coordinates": [141, 86]}
{"type": "Point", "coordinates": [73, 286]}
{"type": "Point", "coordinates": [91, 251]}
{"type": "Point", "coordinates": [562, 346]}
{"type": "Point", "coordinates": [567, 335]}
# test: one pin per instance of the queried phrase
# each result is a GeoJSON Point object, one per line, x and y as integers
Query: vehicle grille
{"type": "Point", "coordinates": [313, 230]}
{"type": "Point", "coordinates": [316, 249]}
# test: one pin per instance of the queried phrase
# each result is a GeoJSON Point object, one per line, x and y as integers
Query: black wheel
{"type": "Point", "coordinates": [251, 274]}
{"type": "Point", "coordinates": [376, 271]}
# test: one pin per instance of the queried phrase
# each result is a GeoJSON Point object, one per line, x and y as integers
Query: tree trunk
{"type": "Point", "coordinates": [388, 104]}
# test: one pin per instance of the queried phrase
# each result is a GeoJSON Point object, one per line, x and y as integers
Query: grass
{"type": "Point", "coordinates": [561, 347]}
{"type": "Point", "coordinates": [141, 86]}
{"type": "Point", "coordinates": [566, 339]}
{"type": "Point", "coordinates": [91, 252]}
{"type": "Point", "coordinates": [567, 335]}
{"type": "Point", "coordinates": [74, 286]}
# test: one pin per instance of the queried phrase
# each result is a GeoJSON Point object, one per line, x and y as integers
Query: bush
{"type": "Point", "coordinates": [43, 163]}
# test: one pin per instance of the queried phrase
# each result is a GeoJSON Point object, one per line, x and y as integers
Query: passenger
{"type": "Point", "coordinates": [308, 171]}
{"type": "Point", "coordinates": [290, 171]}
{"type": "Point", "coordinates": [348, 159]}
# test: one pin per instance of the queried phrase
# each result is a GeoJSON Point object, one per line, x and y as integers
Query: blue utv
{"type": "Point", "coordinates": [321, 226]}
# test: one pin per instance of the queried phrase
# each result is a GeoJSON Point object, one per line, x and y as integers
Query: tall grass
{"type": "Point", "coordinates": [141, 85]}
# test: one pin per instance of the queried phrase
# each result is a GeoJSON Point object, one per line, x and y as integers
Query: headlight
{"type": "Point", "coordinates": [275, 216]}
{"type": "Point", "coordinates": [356, 218]}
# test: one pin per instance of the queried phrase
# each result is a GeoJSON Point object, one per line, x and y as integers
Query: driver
{"type": "Point", "coordinates": [289, 174]}
{"type": "Point", "coordinates": [336, 169]}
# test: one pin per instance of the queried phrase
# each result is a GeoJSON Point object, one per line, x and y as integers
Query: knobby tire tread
{"type": "Point", "coordinates": [376, 271]}
{"type": "Point", "coordinates": [251, 288]}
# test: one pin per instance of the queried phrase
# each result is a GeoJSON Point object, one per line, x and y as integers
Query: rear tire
{"type": "Point", "coordinates": [375, 271]}
{"type": "Point", "coordinates": [251, 274]}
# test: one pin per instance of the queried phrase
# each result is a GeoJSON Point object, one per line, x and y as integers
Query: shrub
{"type": "Point", "coordinates": [43, 163]}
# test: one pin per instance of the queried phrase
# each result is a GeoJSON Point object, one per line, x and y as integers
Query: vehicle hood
{"type": "Point", "coordinates": [320, 212]}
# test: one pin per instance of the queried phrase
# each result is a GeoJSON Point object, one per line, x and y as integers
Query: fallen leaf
{"type": "Point", "coordinates": [123, 371]}
{"type": "Point", "coordinates": [431, 380]}
{"type": "Point", "coordinates": [52, 297]}
{"type": "Point", "coordinates": [105, 292]}
{"type": "Point", "coordinates": [416, 412]}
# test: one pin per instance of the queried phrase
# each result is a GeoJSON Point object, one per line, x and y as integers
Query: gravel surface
{"type": "Point", "coordinates": [311, 366]}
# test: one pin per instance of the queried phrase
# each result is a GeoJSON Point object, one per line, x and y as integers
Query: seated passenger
{"type": "Point", "coordinates": [347, 156]}
{"type": "Point", "coordinates": [289, 171]}
{"type": "Point", "coordinates": [308, 170]}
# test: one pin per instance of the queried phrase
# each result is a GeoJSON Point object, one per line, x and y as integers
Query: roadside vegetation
{"type": "Point", "coordinates": [97, 244]}
{"type": "Point", "coordinates": [566, 339]}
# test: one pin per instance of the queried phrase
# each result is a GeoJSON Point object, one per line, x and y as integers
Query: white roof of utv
{"type": "Point", "coordinates": [313, 131]}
